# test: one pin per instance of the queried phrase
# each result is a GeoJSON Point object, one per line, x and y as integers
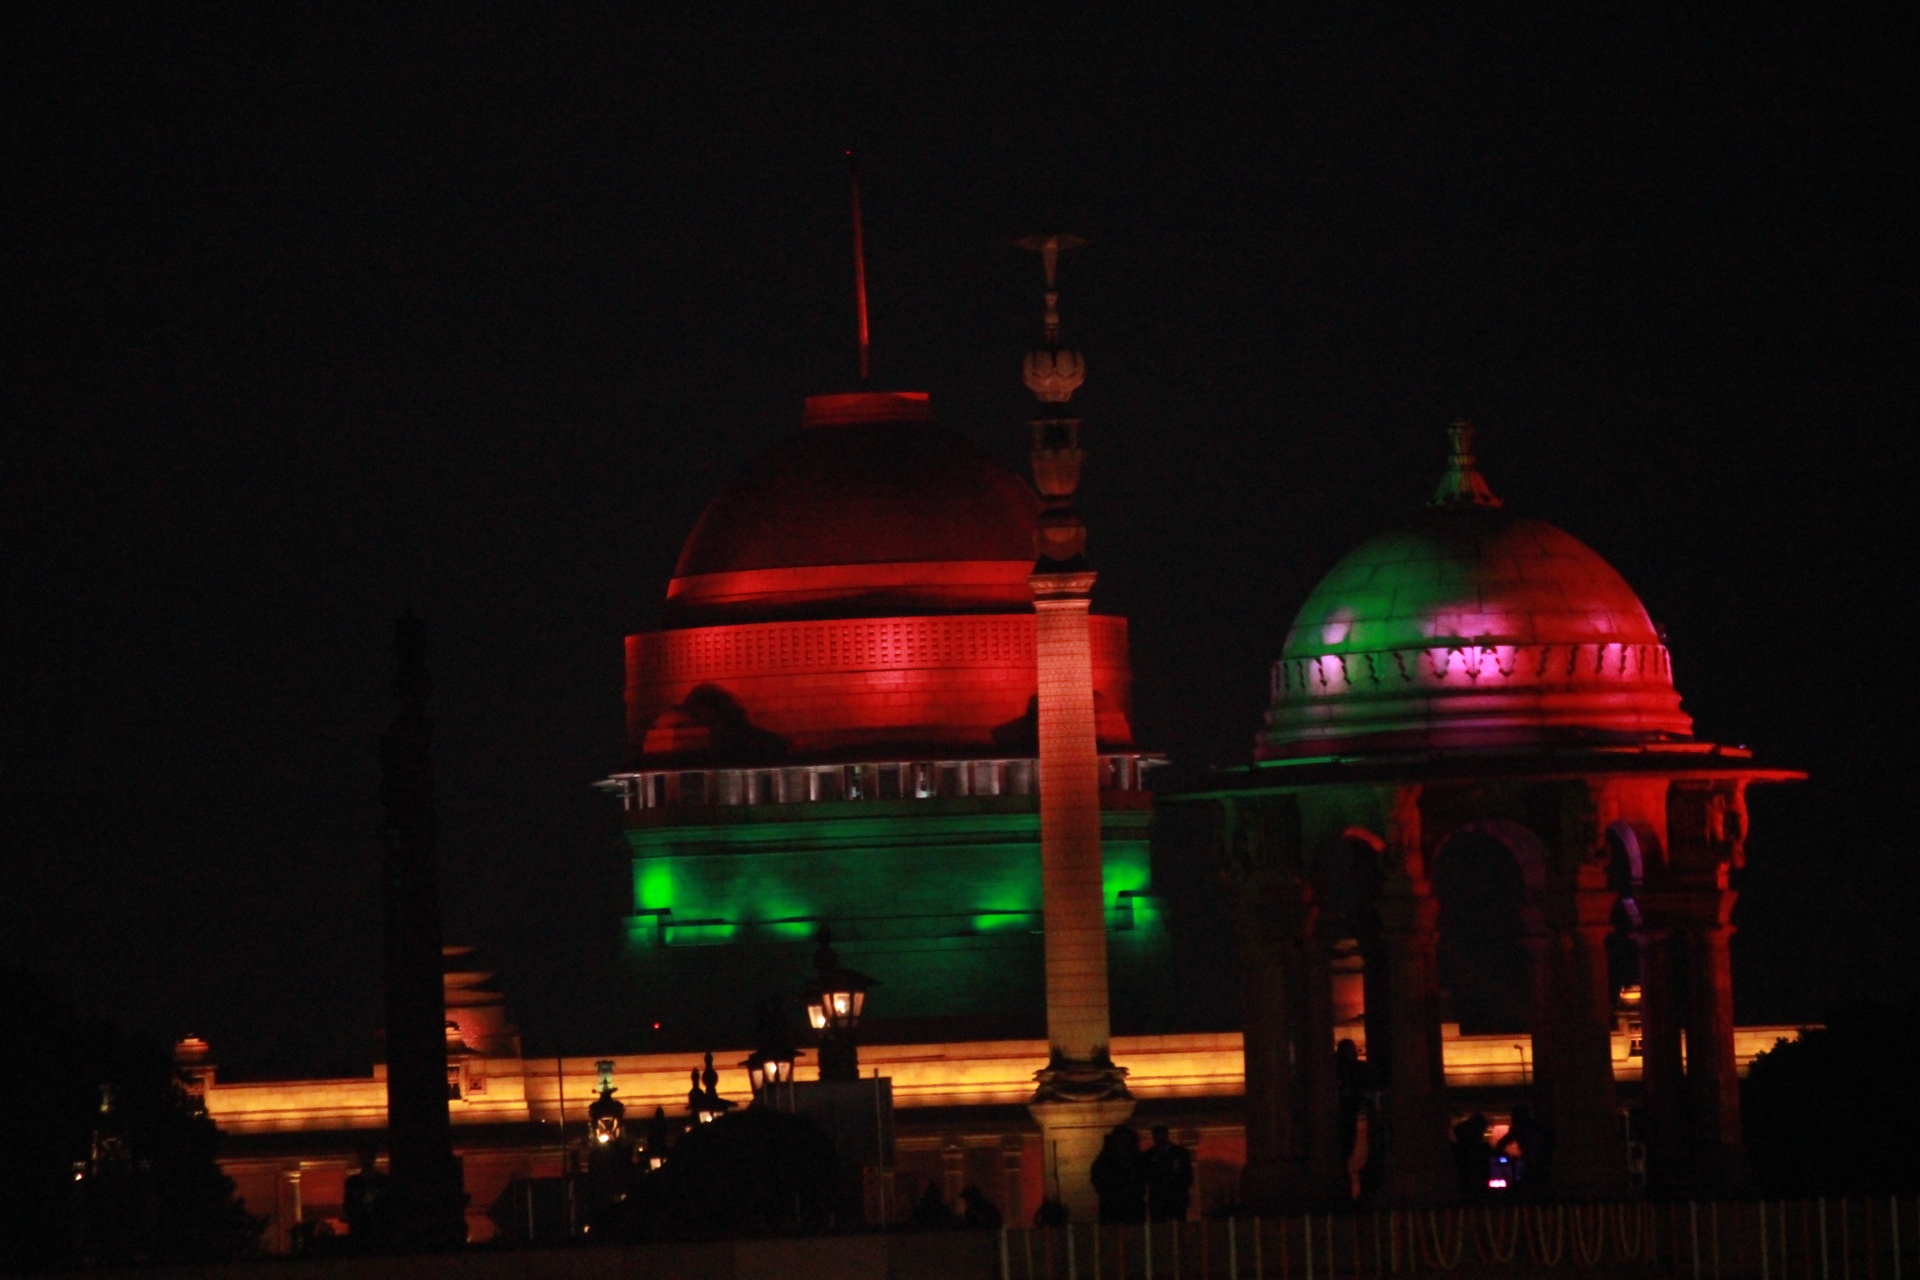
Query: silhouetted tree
{"type": "Point", "coordinates": [1836, 1110]}
{"type": "Point", "coordinates": [158, 1196]}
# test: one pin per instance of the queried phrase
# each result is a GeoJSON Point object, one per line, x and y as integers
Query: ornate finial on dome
{"type": "Point", "coordinates": [1462, 485]}
{"type": "Point", "coordinates": [1053, 373]}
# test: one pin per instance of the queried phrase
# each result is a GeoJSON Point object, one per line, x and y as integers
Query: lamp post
{"type": "Point", "coordinates": [835, 1001]}
{"type": "Point", "coordinates": [606, 1113]}
{"type": "Point", "coordinates": [770, 1065]}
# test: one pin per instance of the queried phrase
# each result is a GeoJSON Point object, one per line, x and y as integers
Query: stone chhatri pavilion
{"type": "Point", "coordinates": [1473, 673]}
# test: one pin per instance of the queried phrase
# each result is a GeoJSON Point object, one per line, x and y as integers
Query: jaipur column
{"type": "Point", "coordinates": [1081, 1093]}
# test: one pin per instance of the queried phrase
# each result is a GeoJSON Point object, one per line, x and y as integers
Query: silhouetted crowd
{"type": "Point", "coordinates": [1134, 1185]}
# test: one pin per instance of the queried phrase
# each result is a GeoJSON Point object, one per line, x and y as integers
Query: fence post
{"type": "Point", "coordinates": [1006, 1267]}
{"type": "Point", "coordinates": [1693, 1234]}
{"type": "Point", "coordinates": [1233, 1249]}
{"type": "Point", "coordinates": [1764, 1273]}
{"type": "Point", "coordinates": [1072, 1270]}
{"type": "Point", "coordinates": [1823, 1239]}
{"type": "Point", "coordinates": [1893, 1216]}
{"type": "Point", "coordinates": [1306, 1240]}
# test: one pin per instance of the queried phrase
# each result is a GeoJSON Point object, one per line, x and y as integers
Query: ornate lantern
{"type": "Point", "coordinates": [835, 1000]}
{"type": "Point", "coordinates": [605, 1113]}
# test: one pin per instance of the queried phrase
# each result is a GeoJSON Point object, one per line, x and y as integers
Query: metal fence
{"type": "Point", "coordinates": [1848, 1238]}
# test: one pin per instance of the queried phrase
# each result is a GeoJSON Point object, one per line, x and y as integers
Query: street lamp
{"type": "Point", "coordinates": [606, 1113]}
{"type": "Point", "coordinates": [835, 1001]}
{"type": "Point", "coordinates": [771, 1063]}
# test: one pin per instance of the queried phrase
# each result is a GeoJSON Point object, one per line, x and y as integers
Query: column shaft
{"type": "Point", "coordinates": [1712, 1077]}
{"type": "Point", "coordinates": [1662, 1079]}
{"type": "Point", "coordinates": [1073, 894]}
{"type": "Point", "coordinates": [1592, 1156]}
{"type": "Point", "coordinates": [1418, 1169]}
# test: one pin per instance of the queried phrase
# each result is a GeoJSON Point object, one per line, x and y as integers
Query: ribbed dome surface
{"type": "Point", "coordinates": [872, 509]}
{"type": "Point", "coordinates": [1470, 627]}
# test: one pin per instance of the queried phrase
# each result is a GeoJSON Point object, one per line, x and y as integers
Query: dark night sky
{"type": "Point", "coordinates": [312, 317]}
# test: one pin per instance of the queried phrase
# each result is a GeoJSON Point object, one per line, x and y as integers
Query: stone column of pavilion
{"type": "Point", "coordinates": [1081, 1094]}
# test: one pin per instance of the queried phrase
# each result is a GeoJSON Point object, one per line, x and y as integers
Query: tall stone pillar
{"type": "Point", "coordinates": [1081, 1094]}
{"type": "Point", "coordinates": [1590, 1160]}
{"type": "Point", "coordinates": [1662, 1077]}
{"type": "Point", "coordinates": [1707, 837]}
{"type": "Point", "coordinates": [429, 1206]}
{"type": "Point", "coordinates": [1713, 1084]}
{"type": "Point", "coordinates": [1270, 917]}
{"type": "Point", "coordinates": [1071, 872]}
{"type": "Point", "coordinates": [1418, 1167]}
{"type": "Point", "coordinates": [1326, 1161]}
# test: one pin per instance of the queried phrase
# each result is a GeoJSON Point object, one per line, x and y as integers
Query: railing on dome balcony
{"type": "Point", "coordinates": [889, 780]}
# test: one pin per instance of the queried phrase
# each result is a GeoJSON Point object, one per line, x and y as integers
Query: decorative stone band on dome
{"type": "Point", "coordinates": [1465, 696]}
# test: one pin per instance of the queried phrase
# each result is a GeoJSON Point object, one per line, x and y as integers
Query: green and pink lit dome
{"type": "Point", "coordinates": [1469, 628]}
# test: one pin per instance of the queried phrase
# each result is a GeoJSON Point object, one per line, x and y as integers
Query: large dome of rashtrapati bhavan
{"type": "Point", "coordinates": [835, 727]}
{"type": "Point", "coordinates": [858, 591]}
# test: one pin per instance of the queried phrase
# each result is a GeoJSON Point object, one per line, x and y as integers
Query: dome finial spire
{"type": "Point", "coordinates": [859, 268]}
{"type": "Point", "coordinates": [1462, 485]}
{"type": "Point", "coordinates": [1053, 373]}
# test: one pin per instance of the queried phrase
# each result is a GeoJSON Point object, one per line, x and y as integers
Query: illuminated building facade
{"type": "Point", "coordinates": [843, 721]}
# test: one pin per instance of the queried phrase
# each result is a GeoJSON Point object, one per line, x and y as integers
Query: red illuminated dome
{"type": "Point", "coordinates": [857, 593]}
{"type": "Point", "coordinates": [871, 509]}
{"type": "Point", "coordinates": [1470, 627]}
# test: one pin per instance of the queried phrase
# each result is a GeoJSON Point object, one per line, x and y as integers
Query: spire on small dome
{"type": "Point", "coordinates": [1462, 485]}
{"type": "Point", "coordinates": [1053, 373]}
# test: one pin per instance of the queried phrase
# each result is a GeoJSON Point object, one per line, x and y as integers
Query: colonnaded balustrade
{"type": "Point", "coordinates": [1844, 1238]}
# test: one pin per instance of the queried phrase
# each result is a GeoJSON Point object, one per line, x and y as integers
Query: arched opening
{"type": "Point", "coordinates": [1485, 973]}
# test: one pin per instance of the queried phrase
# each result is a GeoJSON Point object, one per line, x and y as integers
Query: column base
{"type": "Point", "coordinates": [1076, 1105]}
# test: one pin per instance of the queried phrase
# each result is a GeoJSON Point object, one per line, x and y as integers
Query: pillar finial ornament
{"type": "Point", "coordinates": [1462, 485]}
{"type": "Point", "coordinates": [1053, 373]}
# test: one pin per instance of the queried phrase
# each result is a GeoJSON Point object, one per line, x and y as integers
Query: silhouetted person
{"type": "Point", "coordinates": [979, 1211]}
{"type": "Point", "coordinates": [1351, 1075]}
{"type": "Point", "coordinates": [932, 1213]}
{"type": "Point", "coordinates": [1119, 1177]}
{"type": "Point", "coordinates": [1051, 1213]}
{"type": "Point", "coordinates": [369, 1208]}
{"type": "Point", "coordinates": [1169, 1177]}
{"type": "Point", "coordinates": [1472, 1154]}
{"type": "Point", "coordinates": [1533, 1144]}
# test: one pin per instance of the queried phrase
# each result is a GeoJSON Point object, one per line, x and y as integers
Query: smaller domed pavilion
{"type": "Point", "coordinates": [1476, 673]}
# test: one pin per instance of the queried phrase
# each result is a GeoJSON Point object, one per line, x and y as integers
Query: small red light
{"type": "Point", "coordinates": [656, 1026]}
